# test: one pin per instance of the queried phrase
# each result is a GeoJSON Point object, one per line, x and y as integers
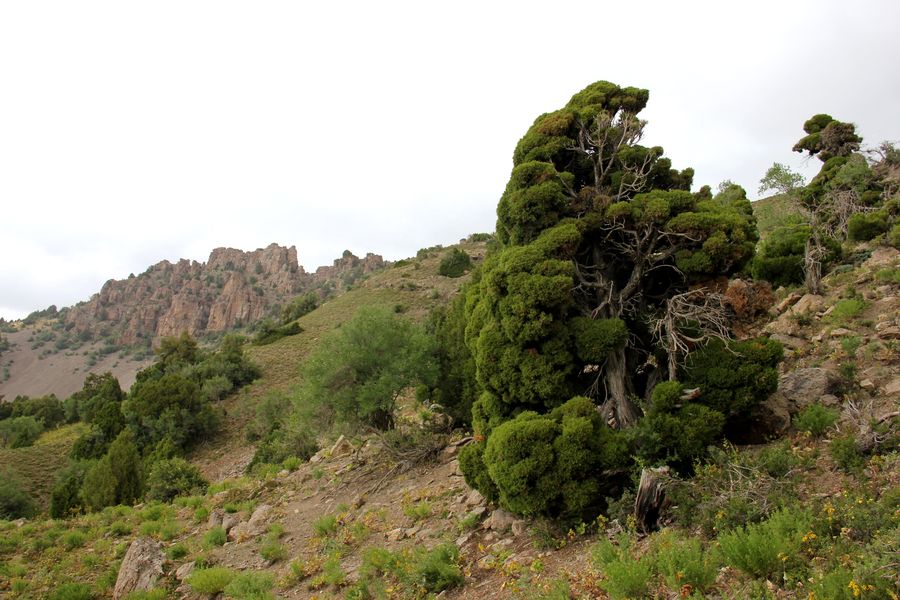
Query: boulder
{"type": "Point", "coordinates": [883, 256]}
{"type": "Point", "coordinates": [892, 388]}
{"type": "Point", "coordinates": [341, 447]}
{"type": "Point", "coordinates": [474, 498]}
{"type": "Point", "coordinates": [230, 520]}
{"type": "Point", "coordinates": [215, 519]}
{"type": "Point", "coordinates": [802, 387]}
{"type": "Point", "coordinates": [500, 520]}
{"type": "Point", "coordinates": [809, 303]}
{"type": "Point", "coordinates": [254, 527]}
{"type": "Point", "coordinates": [184, 571]}
{"type": "Point", "coordinates": [141, 568]}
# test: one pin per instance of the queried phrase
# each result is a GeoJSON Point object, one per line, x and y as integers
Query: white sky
{"type": "Point", "coordinates": [135, 132]}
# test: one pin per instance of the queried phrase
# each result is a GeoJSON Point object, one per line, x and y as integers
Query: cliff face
{"type": "Point", "coordinates": [231, 289]}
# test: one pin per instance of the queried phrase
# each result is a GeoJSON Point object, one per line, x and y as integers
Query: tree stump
{"type": "Point", "coordinates": [651, 500]}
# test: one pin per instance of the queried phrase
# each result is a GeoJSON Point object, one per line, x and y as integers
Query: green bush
{"type": "Point", "coordinates": [174, 477]}
{"type": "Point", "coordinates": [65, 498]}
{"type": "Point", "coordinates": [216, 536]}
{"type": "Point", "coordinates": [816, 419]}
{"type": "Point", "coordinates": [176, 551]}
{"type": "Point", "coordinates": [15, 502]}
{"type": "Point", "coordinates": [73, 539]}
{"type": "Point", "coordinates": [675, 432]}
{"type": "Point", "coordinates": [683, 561]}
{"type": "Point", "coordinates": [47, 410]}
{"type": "Point", "coordinates": [20, 432]}
{"type": "Point", "coordinates": [862, 227]}
{"type": "Point", "coordinates": [356, 374]}
{"type": "Point", "coordinates": [325, 526]}
{"type": "Point", "coordinates": [251, 585]}
{"type": "Point", "coordinates": [210, 581]}
{"type": "Point", "coordinates": [437, 570]}
{"type": "Point", "coordinates": [125, 461]}
{"type": "Point", "coordinates": [766, 549]}
{"type": "Point", "coordinates": [625, 575]}
{"type": "Point", "coordinates": [72, 591]}
{"type": "Point", "coordinates": [845, 310]}
{"type": "Point", "coordinates": [455, 263]}
{"type": "Point", "coordinates": [154, 594]}
{"type": "Point", "coordinates": [736, 379]}
{"type": "Point", "coordinates": [845, 453]}
{"type": "Point", "coordinates": [555, 464]}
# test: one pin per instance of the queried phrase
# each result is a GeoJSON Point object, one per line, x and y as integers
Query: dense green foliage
{"type": "Point", "coordinates": [562, 463]}
{"type": "Point", "coordinates": [174, 477]}
{"type": "Point", "coordinates": [19, 432]}
{"type": "Point", "coordinates": [358, 371]}
{"type": "Point", "coordinates": [596, 232]}
{"type": "Point", "coordinates": [455, 387]}
{"type": "Point", "coordinates": [455, 263]}
{"type": "Point", "coordinates": [65, 499]}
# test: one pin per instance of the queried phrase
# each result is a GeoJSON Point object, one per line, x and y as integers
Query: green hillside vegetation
{"type": "Point", "coordinates": [502, 420]}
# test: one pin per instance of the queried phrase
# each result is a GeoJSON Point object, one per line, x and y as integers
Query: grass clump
{"type": "Point", "coordinates": [271, 549]}
{"type": "Point", "coordinates": [176, 551]}
{"type": "Point", "coordinates": [846, 453]}
{"type": "Point", "coordinates": [325, 526]}
{"type": "Point", "coordinates": [71, 591]}
{"type": "Point", "coordinates": [215, 537]}
{"type": "Point", "coordinates": [816, 419]}
{"type": "Point", "coordinates": [408, 574]}
{"type": "Point", "coordinates": [154, 594]}
{"type": "Point", "coordinates": [252, 585]}
{"type": "Point", "coordinates": [625, 574]}
{"type": "Point", "coordinates": [767, 549]}
{"type": "Point", "coordinates": [210, 581]}
{"type": "Point", "coordinates": [73, 539]}
{"type": "Point", "coordinates": [418, 511]}
{"type": "Point", "coordinates": [846, 310]}
{"type": "Point", "coordinates": [684, 562]}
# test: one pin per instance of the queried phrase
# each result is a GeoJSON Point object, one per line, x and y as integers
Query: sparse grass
{"type": "Point", "coordinates": [845, 311]}
{"type": "Point", "coordinates": [251, 585]}
{"type": "Point", "coordinates": [418, 511]}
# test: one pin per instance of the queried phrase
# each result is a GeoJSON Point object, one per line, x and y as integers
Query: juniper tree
{"type": "Point", "coordinates": [596, 232]}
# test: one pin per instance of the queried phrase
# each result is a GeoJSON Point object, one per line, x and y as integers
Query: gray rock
{"type": "Point", "coordinates": [893, 388]}
{"type": "Point", "coordinates": [519, 527]}
{"type": "Point", "coordinates": [141, 568]}
{"type": "Point", "coordinates": [500, 520]}
{"type": "Point", "coordinates": [215, 519]}
{"type": "Point", "coordinates": [802, 387]}
{"type": "Point", "coordinates": [254, 527]}
{"type": "Point", "coordinates": [230, 520]}
{"type": "Point", "coordinates": [184, 571]}
{"type": "Point", "coordinates": [474, 498]}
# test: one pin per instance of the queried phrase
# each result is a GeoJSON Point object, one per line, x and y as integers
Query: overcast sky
{"type": "Point", "coordinates": [135, 132]}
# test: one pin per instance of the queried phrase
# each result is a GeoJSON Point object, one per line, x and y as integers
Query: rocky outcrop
{"type": "Point", "coordinates": [141, 568]}
{"type": "Point", "coordinates": [349, 268]}
{"type": "Point", "coordinates": [231, 289]}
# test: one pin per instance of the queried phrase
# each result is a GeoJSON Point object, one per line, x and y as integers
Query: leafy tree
{"type": "Point", "coordinates": [595, 232]}
{"type": "Point", "coordinates": [358, 372]}
{"type": "Point", "coordinates": [48, 410]}
{"type": "Point", "coordinates": [171, 406]}
{"type": "Point", "coordinates": [781, 179]}
{"type": "Point", "coordinates": [95, 394]}
{"type": "Point", "coordinates": [20, 432]}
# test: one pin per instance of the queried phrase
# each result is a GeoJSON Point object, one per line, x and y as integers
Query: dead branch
{"type": "Point", "coordinates": [691, 319]}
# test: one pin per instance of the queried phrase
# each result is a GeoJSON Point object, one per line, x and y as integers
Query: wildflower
{"type": "Point", "coordinates": [809, 537]}
{"type": "Point", "coordinates": [854, 587]}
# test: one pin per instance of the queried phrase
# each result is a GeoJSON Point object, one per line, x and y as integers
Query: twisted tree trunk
{"type": "Point", "coordinates": [618, 407]}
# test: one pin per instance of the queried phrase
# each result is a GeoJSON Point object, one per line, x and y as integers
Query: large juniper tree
{"type": "Point", "coordinates": [596, 232]}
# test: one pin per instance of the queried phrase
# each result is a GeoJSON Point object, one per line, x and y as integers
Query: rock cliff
{"type": "Point", "coordinates": [231, 289]}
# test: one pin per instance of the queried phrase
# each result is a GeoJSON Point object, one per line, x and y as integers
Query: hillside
{"type": "Point", "coordinates": [53, 351]}
{"type": "Point", "coordinates": [357, 517]}
{"type": "Point", "coordinates": [771, 211]}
